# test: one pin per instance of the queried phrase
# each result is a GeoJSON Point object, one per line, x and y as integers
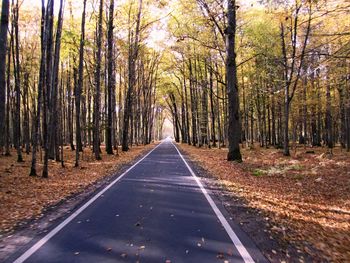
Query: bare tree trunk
{"type": "Point", "coordinates": [40, 92]}
{"type": "Point", "coordinates": [234, 128]}
{"type": "Point", "coordinates": [54, 116]}
{"type": "Point", "coordinates": [8, 101]}
{"type": "Point", "coordinates": [26, 126]}
{"type": "Point", "coordinates": [17, 73]}
{"type": "Point", "coordinates": [193, 107]}
{"type": "Point", "coordinates": [328, 117]}
{"type": "Point", "coordinates": [48, 76]}
{"type": "Point", "coordinates": [79, 88]}
{"type": "Point", "coordinates": [111, 79]}
{"type": "Point", "coordinates": [132, 82]}
{"type": "Point", "coordinates": [98, 86]}
{"type": "Point", "coordinates": [3, 49]}
{"type": "Point", "coordinates": [70, 109]}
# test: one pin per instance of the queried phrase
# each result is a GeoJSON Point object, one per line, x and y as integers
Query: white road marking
{"type": "Point", "coordinates": [53, 232]}
{"type": "Point", "coordinates": [238, 244]}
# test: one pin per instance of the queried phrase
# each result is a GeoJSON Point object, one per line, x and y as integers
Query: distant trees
{"type": "Point", "coordinates": [280, 80]}
{"type": "Point", "coordinates": [292, 72]}
{"type": "Point", "coordinates": [70, 86]}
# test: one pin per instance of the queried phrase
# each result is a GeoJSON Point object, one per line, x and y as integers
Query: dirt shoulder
{"type": "Point", "coordinates": [301, 204]}
{"type": "Point", "coordinates": [30, 206]}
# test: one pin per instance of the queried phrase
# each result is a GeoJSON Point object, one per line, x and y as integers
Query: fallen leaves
{"type": "Point", "coordinates": [306, 193]}
{"type": "Point", "coordinates": [24, 198]}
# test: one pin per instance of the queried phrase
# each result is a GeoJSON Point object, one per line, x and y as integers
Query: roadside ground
{"type": "Point", "coordinates": [24, 198]}
{"type": "Point", "coordinates": [302, 202]}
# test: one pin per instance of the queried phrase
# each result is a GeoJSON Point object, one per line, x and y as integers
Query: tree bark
{"type": "Point", "coordinates": [79, 88]}
{"type": "Point", "coordinates": [40, 92]}
{"type": "Point", "coordinates": [3, 49]}
{"type": "Point", "coordinates": [111, 79]}
{"type": "Point", "coordinates": [98, 86]}
{"type": "Point", "coordinates": [17, 70]}
{"type": "Point", "coordinates": [234, 128]}
{"type": "Point", "coordinates": [133, 54]}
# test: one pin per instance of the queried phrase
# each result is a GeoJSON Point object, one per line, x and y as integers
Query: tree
{"type": "Point", "coordinates": [293, 64]}
{"type": "Point", "coordinates": [111, 78]}
{"type": "Point", "coordinates": [98, 85]}
{"type": "Point", "coordinates": [40, 92]}
{"type": "Point", "coordinates": [3, 51]}
{"type": "Point", "coordinates": [17, 74]}
{"type": "Point", "coordinates": [133, 54]}
{"type": "Point", "coordinates": [48, 40]}
{"type": "Point", "coordinates": [79, 88]}
{"type": "Point", "coordinates": [234, 127]}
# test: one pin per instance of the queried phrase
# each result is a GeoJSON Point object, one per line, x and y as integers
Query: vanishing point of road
{"type": "Point", "coordinates": [156, 211]}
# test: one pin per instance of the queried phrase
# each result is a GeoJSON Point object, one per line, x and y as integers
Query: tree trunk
{"type": "Point", "coordinates": [17, 71]}
{"type": "Point", "coordinates": [40, 93]}
{"type": "Point", "coordinates": [98, 86]}
{"type": "Point", "coordinates": [48, 72]}
{"type": "Point", "coordinates": [3, 49]}
{"type": "Point", "coordinates": [79, 88]}
{"type": "Point", "coordinates": [54, 116]}
{"type": "Point", "coordinates": [133, 54]}
{"type": "Point", "coordinates": [234, 128]}
{"type": "Point", "coordinates": [111, 79]}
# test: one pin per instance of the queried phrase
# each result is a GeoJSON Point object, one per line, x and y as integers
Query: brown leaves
{"type": "Point", "coordinates": [24, 197]}
{"type": "Point", "coordinates": [300, 195]}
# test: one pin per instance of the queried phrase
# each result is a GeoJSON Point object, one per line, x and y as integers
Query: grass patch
{"type": "Point", "coordinates": [258, 172]}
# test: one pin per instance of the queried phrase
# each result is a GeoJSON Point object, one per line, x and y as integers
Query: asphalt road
{"type": "Point", "coordinates": [158, 211]}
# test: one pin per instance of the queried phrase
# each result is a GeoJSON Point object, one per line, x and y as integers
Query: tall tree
{"type": "Point", "coordinates": [3, 49]}
{"type": "Point", "coordinates": [111, 78]}
{"type": "Point", "coordinates": [54, 116]}
{"type": "Point", "coordinates": [49, 16]}
{"type": "Point", "coordinates": [234, 128]}
{"type": "Point", "coordinates": [79, 87]}
{"type": "Point", "coordinates": [133, 54]}
{"type": "Point", "coordinates": [36, 134]}
{"type": "Point", "coordinates": [17, 74]}
{"type": "Point", "coordinates": [98, 85]}
{"type": "Point", "coordinates": [293, 63]}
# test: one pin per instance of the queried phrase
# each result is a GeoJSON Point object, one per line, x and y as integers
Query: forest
{"type": "Point", "coordinates": [84, 80]}
{"type": "Point", "coordinates": [112, 74]}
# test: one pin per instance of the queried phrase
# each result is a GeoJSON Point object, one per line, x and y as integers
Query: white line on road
{"type": "Point", "coordinates": [53, 232]}
{"type": "Point", "coordinates": [238, 244]}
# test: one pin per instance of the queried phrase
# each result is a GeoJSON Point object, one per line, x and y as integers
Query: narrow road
{"type": "Point", "coordinates": [157, 211]}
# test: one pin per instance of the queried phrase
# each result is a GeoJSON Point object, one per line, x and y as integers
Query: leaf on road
{"type": "Point", "coordinates": [220, 256]}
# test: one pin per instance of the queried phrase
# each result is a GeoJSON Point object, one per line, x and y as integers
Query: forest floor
{"type": "Point", "coordinates": [24, 198]}
{"type": "Point", "coordinates": [303, 199]}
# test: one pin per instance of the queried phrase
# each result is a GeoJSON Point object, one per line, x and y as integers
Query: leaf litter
{"type": "Point", "coordinates": [24, 198]}
{"type": "Point", "coordinates": [306, 193]}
